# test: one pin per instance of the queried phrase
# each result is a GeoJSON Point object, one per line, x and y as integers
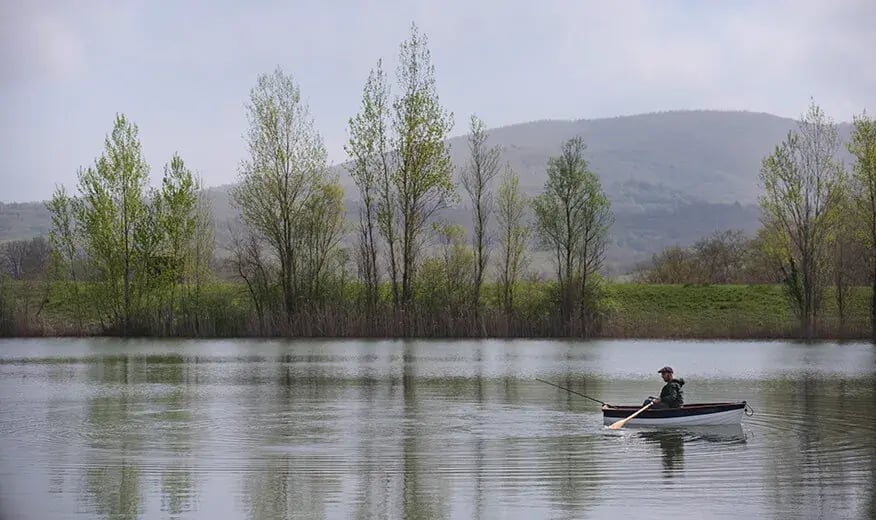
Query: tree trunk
{"type": "Point", "coordinates": [873, 306]}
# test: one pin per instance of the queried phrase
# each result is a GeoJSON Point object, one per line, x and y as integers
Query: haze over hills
{"type": "Point", "coordinates": [672, 177]}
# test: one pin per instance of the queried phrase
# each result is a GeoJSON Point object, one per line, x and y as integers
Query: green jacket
{"type": "Point", "coordinates": [672, 394]}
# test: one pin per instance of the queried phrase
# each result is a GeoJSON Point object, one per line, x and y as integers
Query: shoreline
{"type": "Point", "coordinates": [855, 336]}
{"type": "Point", "coordinates": [627, 311]}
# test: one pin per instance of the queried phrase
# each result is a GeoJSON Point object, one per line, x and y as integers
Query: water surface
{"type": "Point", "coordinates": [106, 428]}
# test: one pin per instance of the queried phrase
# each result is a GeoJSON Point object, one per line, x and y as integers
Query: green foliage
{"type": "Point", "coordinates": [370, 170]}
{"type": "Point", "coordinates": [113, 223]}
{"type": "Point", "coordinates": [176, 218]}
{"type": "Point", "coordinates": [802, 181]}
{"type": "Point", "coordinates": [682, 172]}
{"type": "Point", "coordinates": [287, 199]}
{"type": "Point", "coordinates": [724, 257]}
{"type": "Point", "coordinates": [421, 181]}
{"type": "Point", "coordinates": [446, 283]}
{"type": "Point", "coordinates": [7, 311]}
{"type": "Point", "coordinates": [625, 310]}
{"type": "Point", "coordinates": [135, 261]}
{"type": "Point", "coordinates": [862, 146]}
{"type": "Point", "coordinates": [514, 236]}
{"type": "Point", "coordinates": [317, 259]}
{"type": "Point", "coordinates": [401, 166]}
{"type": "Point", "coordinates": [133, 247]}
{"type": "Point", "coordinates": [483, 166]}
{"type": "Point", "coordinates": [863, 197]}
{"type": "Point", "coordinates": [573, 216]}
{"type": "Point", "coordinates": [62, 236]}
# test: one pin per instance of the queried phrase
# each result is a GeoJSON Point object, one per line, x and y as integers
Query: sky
{"type": "Point", "coordinates": [182, 71]}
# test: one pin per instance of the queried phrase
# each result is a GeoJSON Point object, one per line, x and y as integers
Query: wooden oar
{"type": "Point", "coordinates": [620, 424]}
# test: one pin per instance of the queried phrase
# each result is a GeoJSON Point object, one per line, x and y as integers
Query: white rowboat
{"type": "Point", "coordinates": [699, 414]}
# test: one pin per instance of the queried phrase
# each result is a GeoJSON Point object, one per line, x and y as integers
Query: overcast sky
{"type": "Point", "coordinates": [182, 70]}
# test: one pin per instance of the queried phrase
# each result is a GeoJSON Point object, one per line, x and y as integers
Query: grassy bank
{"type": "Point", "coordinates": [629, 311]}
{"type": "Point", "coordinates": [724, 311]}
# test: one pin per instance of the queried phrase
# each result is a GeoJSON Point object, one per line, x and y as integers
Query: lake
{"type": "Point", "coordinates": [258, 429]}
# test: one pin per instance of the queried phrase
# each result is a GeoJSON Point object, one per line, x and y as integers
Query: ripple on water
{"type": "Point", "coordinates": [342, 429]}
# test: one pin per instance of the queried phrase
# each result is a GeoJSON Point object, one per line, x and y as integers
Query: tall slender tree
{"type": "Point", "coordinates": [284, 178]}
{"type": "Point", "coordinates": [482, 168]}
{"type": "Point", "coordinates": [370, 170]}
{"type": "Point", "coordinates": [401, 165]}
{"type": "Point", "coordinates": [801, 181]}
{"type": "Point", "coordinates": [199, 268]}
{"type": "Point", "coordinates": [862, 145]}
{"type": "Point", "coordinates": [176, 203]}
{"type": "Point", "coordinates": [422, 179]}
{"type": "Point", "coordinates": [573, 216]}
{"type": "Point", "coordinates": [112, 207]}
{"type": "Point", "coordinates": [317, 241]}
{"type": "Point", "coordinates": [65, 251]}
{"type": "Point", "coordinates": [514, 234]}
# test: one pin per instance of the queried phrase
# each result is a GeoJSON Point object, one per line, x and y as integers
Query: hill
{"type": "Point", "coordinates": [706, 156]}
{"type": "Point", "coordinates": [672, 177]}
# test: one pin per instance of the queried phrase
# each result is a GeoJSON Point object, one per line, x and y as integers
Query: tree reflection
{"type": "Point", "coordinates": [113, 475]}
{"type": "Point", "coordinates": [123, 426]}
{"type": "Point", "coordinates": [822, 443]}
{"type": "Point", "coordinates": [174, 428]}
{"type": "Point", "coordinates": [871, 506]}
{"type": "Point", "coordinates": [290, 471]}
{"type": "Point", "coordinates": [115, 490]}
{"type": "Point", "coordinates": [56, 413]}
{"type": "Point", "coordinates": [422, 431]}
{"type": "Point", "coordinates": [421, 499]}
{"type": "Point", "coordinates": [376, 472]}
{"type": "Point", "coordinates": [280, 486]}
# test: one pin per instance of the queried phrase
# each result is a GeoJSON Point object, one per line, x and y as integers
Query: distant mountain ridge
{"type": "Point", "coordinates": [671, 176]}
{"type": "Point", "coordinates": [710, 156]}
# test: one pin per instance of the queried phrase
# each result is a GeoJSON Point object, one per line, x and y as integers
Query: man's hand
{"type": "Point", "coordinates": [655, 400]}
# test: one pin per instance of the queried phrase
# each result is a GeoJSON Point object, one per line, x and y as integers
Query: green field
{"type": "Point", "coordinates": [629, 311]}
{"type": "Point", "coordinates": [715, 311]}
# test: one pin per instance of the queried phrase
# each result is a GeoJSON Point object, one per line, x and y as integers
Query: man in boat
{"type": "Point", "coordinates": [671, 396]}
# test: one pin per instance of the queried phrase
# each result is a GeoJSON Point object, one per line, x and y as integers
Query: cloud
{"type": "Point", "coordinates": [37, 45]}
{"type": "Point", "coordinates": [183, 70]}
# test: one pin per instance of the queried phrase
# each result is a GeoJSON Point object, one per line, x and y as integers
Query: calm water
{"type": "Point", "coordinates": [427, 429]}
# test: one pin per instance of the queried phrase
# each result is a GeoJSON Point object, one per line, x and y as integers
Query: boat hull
{"type": "Point", "coordinates": [705, 414]}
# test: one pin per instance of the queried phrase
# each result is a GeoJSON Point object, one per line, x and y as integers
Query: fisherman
{"type": "Point", "coordinates": [671, 396]}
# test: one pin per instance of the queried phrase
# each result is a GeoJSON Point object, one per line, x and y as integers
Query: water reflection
{"type": "Point", "coordinates": [113, 474]}
{"type": "Point", "coordinates": [124, 429]}
{"type": "Point", "coordinates": [423, 430]}
{"type": "Point", "coordinates": [672, 440]}
{"type": "Point", "coordinates": [822, 435]}
{"type": "Point", "coordinates": [671, 443]}
{"type": "Point", "coordinates": [176, 421]}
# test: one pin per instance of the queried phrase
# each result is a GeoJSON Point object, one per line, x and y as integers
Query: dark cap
{"type": "Point", "coordinates": [665, 369]}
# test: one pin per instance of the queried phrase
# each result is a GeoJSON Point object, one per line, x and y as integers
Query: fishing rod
{"type": "Point", "coordinates": [572, 391]}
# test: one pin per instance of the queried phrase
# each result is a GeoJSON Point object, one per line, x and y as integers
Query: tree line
{"type": "Point", "coordinates": [818, 225]}
{"type": "Point", "coordinates": [400, 164]}
{"type": "Point", "coordinates": [134, 260]}
{"type": "Point", "coordinates": [724, 257]}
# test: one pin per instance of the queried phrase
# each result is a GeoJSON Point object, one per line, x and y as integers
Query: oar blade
{"type": "Point", "coordinates": [621, 423]}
